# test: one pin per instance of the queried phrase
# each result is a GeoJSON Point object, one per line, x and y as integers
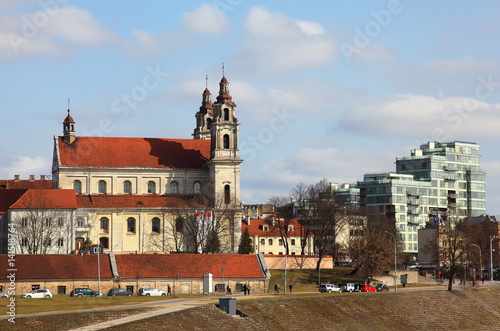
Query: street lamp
{"type": "Point", "coordinates": [480, 260]}
{"type": "Point", "coordinates": [491, 256]}
{"type": "Point", "coordinates": [395, 262]}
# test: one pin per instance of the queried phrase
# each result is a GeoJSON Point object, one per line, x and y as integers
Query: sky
{"type": "Point", "coordinates": [325, 89]}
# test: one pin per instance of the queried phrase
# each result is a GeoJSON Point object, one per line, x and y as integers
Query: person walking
{"type": "Point", "coordinates": [290, 287]}
{"type": "Point", "coordinates": [169, 290]}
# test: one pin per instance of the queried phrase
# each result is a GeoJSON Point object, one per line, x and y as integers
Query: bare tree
{"type": "Point", "coordinates": [40, 226]}
{"type": "Point", "coordinates": [370, 247]}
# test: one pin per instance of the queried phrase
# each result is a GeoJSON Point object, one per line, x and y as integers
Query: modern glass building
{"type": "Point", "coordinates": [437, 179]}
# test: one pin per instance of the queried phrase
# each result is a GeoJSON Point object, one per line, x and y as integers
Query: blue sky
{"type": "Point", "coordinates": [325, 89]}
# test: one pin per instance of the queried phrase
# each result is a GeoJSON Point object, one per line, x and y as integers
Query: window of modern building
{"type": "Point", "coordinates": [151, 187]}
{"type": "Point", "coordinates": [102, 186]}
{"type": "Point", "coordinates": [127, 187]}
{"type": "Point", "coordinates": [104, 223]}
{"type": "Point", "coordinates": [77, 186]}
{"type": "Point", "coordinates": [225, 140]}
{"type": "Point", "coordinates": [174, 187]}
{"type": "Point", "coordinates": [197, 188]}
{"type": "Point", "coordinates": [155, 225]}
{"type": "Point", "coordinates": [131, 225]}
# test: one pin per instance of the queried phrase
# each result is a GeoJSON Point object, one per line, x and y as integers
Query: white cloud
{"type": "Point", "coordinates": [404, 115]}
{"type": "Point", "coordinates": [206, 19]}
{"type": "Point", "coordinates": [24, 166]}
{"type": "Point", "coordinates": [277, 44]}
{"type": "Point", "coordinates": [50, 32]}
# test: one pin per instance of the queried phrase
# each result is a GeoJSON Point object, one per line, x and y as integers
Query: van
{"type": "Point", "coordinates": [328, 288]}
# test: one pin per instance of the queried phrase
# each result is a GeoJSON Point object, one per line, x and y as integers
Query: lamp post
{"type": "Point", "coordinates": [395, 260]}
{"type": "Point", "coordinates": [480, 260]}
{"type": "Point", "coordinates": [491, 256]}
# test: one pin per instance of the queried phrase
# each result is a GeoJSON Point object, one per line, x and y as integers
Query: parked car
{"type": "Point", "coordinates": [37, 294]}
{"type": "Point", "coordinates": [118, 292]}
{"type": "Point", "coordinates": [382, 287]}
{"type": "Point", "coordinates": [348, 287]}
{"type": "Point", "coordinates": [84, 292]}
{"type": "Point", "coordinates": [3, 295]}
{"type": "Point", "coordinates": [151, 291]}
{"type": "Point", "coordinates": [329, 288]}
{"type": "Point", "coordinates": [368, 288]}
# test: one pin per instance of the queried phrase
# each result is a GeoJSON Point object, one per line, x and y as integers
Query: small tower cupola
{"type": "Point", "coordinates": [204, 116]}
{"type": "Point", "coordinates": [69, 129]}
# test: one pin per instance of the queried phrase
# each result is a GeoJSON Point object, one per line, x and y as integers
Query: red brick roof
{"type": "Point", "coordinates": [25, 184]}
{"type": "Point", "coordinates": [133, 266]}
{"type": "Point", "coordinates": [133, 201]}
{"type": "Point", "coordinates": [188, 265]}
{"type": "Point", "coordinates": [256, 227]}
{"type": "Point", "coordinates": [46, 199]}
{"type": "Point", "coordinates": [111, 152]}
{"type": "Point", "coordinates": [54, 266]}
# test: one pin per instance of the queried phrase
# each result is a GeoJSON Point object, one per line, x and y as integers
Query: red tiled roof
{"type": "Point", "coordinates": [54, 266]}
{"type": "Point", "coordinates": [256, 227]}
{"type": "Point", "coordinates": [25, 184]}
{"type": "Point", "coordinates": [112, 152]}
{"type": "Point", "coordinates": [188, 265]}
{"type": "Point", "coordinates": [8, 197]}
{"type": "Point", "coordinates": [46, 199]}
{"type": "Point", "coordinates": [134, 201]}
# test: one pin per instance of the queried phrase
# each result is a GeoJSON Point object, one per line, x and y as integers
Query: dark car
{"type": "Point", "coordinates": [84, 292]}
{"type": "Point", "coordinates": [119, 292]}
{"type": "Point", "coordinates": [381, 287]}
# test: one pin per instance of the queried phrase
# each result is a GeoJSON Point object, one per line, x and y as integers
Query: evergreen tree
{"type": "Point", "coordinates": [246, 246]}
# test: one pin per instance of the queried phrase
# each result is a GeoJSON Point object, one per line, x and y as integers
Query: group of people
{"type": "Point", "coordinates": [246, 289]}
{"type": "Point", "coordinates": [277, 288]}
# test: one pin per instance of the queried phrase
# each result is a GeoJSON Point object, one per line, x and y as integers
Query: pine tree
{"type": "Point", "coordinates": [245, 246]}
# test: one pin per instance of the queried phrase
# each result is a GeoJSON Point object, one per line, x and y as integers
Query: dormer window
{"type": "Point", "coordinates": [290, 228]}
{"type": "Point", "coordinates": [265, 227]}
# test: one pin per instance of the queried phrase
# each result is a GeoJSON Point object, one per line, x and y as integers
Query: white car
{"type": "Point", "coordinates": [37, 294]}
{"type": "Point", "coordinates": [151, 291]}
{"type": "Point", "coordinates": [329, 288]}
{"type": "Point", "coordinates": [3, 295]}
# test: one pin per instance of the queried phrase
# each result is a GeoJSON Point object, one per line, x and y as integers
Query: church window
{"type": "Point", "coordinates": [174, 187]}
{"type": "Point", "coordinates": [151, 187]}
{"type": "Point", "coordinates": [131, 225]}
{"type": "Point", "coordinates": [209, 122]}
{"type": "Point", "coordinates": [226, 141]}
{"type": "Point", "coordinates": [226, 114]}
{"type": "Point", "coordinates": [102, 187]}
{"type": "Point", "coordinates": [227, 194]}
{"type": "Point", "coordinates": [197, 188]}
{"type": "Point", "coordinates": [127, 187]}
{"type": "Point", "coordinates": [77, 186]}
{"type": "Point", "coordinates": [104, 223]}
{"type": "Point", "coordinates": [155, 225]}
{"type": "Point", "coordinates": [104, 242]}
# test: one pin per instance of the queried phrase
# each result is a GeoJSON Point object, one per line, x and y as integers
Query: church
{"type": "Point", "coordinates": [140, 195]}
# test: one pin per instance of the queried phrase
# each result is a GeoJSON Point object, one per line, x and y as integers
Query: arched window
{"type": "Point", "coordinates": [226, 114]}
{"type": "Point", "coordinates": [227, 194]}
{"type": "Point", "coordinates": [127, 187]}
{"type": "Point", "coordinates": [104, 224]}
{"type": "Point", "coordinates": [155, 225]}
{"type": "Point", "coordinates": [179, 224]}
{"type": "Point", "coordinates": [197, 188]}
{"type": "Point", "coordinates": [77, 186]}
{"type": "Point", "coordinates": [174, 187]}
{"type": "Point", "coordinates": [131, 224]}
{"type": "Point", "coordinates": [226, 141]}
{"type": "Point", "coordinates": [209, 122]}
{"type": "Point", "coordinates": [104, 242]}
{"type": "Point", "coordinates": [102, 187]}
{"type": "Point", "coordinates": [151, 187]}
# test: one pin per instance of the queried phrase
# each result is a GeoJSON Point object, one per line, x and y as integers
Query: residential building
{"type": "Point", "coordinates": [437, 179]}
{"type": "Point", "coordinates": [258, 210]}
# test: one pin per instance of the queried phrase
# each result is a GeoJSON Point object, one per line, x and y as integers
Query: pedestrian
{"type": "Point", "coordinates": [278, 288]}
{"type": "Point", "coordinates": [244, 289]}
{"type": "Point", "coordinates": [275, 288]}
{"type": "Point", "coordinates": [248, 289]}
{"type": "Point", "coordinates": [290, 287]}
{"type": "Point", "coordinates": [169, 290]}
{"type": "Point", "coordinates": [228, 290]}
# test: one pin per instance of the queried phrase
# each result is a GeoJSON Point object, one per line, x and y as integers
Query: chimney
{"type": "Point", "coordinates": [32, 178]}
{"type": "Point", "coordinates": [16, 177]}
{"type": "Point", "coordinates": [42, 177]}
{"type": "Point", "coordinates": [248, 220]}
